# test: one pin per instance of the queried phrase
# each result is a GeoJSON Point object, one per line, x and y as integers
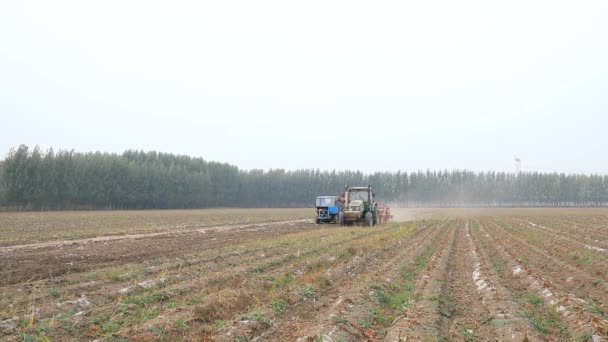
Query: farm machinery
{"type": "Point", "coordinates": [384, 213]}
{"type": "Point", "coordinates": [328, 209]}
{"type": "Point", "coordinates": [355, 206]}
{"type": "Point", "coordinates": [360, 207]}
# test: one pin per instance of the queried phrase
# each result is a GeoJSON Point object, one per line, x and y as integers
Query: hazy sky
{"type": "Point", "coordinates": [374, 85]}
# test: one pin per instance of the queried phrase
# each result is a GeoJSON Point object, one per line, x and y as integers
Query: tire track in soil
{"type": "Point", "coordinates": [567, 305]}
{"type": "Point", "coordinates": [329, 323]}
{"type": "Point", "coordinates": [420, 321]}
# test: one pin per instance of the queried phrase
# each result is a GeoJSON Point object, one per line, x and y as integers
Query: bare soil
{"type": "Point", "coordinates": [524, 275]}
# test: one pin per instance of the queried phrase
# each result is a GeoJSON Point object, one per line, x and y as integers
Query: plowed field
{"type": "Point", "coordinates": [273, 275]}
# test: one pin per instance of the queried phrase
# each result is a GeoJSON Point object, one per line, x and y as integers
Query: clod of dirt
{"type": "Point", "coordinates": [594, 248]}
{"type": "Point", "coordinates": [547, 293]}
{"type": "Point", "coordinates": [125, 290]}
{"type": "Point", "coordinates": [9, 326]}
{"type": "Point", "coordinates": [83, 302]}
{"type": "Point", "coordinates": [517, 270]}
{"type": "Point", "coordinates": [146, 284]}
{"type": "Point", "coordinates": [91, 283]}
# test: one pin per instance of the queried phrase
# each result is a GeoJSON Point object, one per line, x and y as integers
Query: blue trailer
{"type": "Point", "coordinates": [328, 209]}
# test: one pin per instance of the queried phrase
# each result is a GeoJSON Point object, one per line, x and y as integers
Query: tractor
{"type": "Point", "coordinates": [328, 208]}
{"type": "Point", "coordinates": [359, 207]}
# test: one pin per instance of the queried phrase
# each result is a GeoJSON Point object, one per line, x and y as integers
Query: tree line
{"type": "Point", "coordinates": [35, 180]}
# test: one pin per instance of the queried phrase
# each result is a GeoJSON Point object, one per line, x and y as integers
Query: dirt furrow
{"type": "Point", "coordinates": [574, 278]}
{"type": "Point", "coordinates": [524, 276]}
{"type": "Point", "coordinates": [569, 237]}
{"type": "Point", "coordinates": [421, 320]}
{"type": "Point", "coordinates": [52, 261]}
{"type": "Point", "coordinates": [570, 278]}
{"type": "Point", "coordinates": [580, 224]}
{"type": "Point", "coordinates": [553, 312]}
{"type": "Point", "coordinates": [563, 240]}
{"type": "Point", "coordinates": [308, 273]}
{"type": "Point", "coordinates": [105, 238]}
{"type": "Point", "coordinates": [503, 311]}
{"type": "Point", "coordinates": [349, 302]}
{"type": "Point", "coordinates": [469, 304]}
{"type": "Point", "coordinates": [204, 272]}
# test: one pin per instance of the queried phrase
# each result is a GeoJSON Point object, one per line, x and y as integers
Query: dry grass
{"type": "Point", "coordinates": [223, 305]}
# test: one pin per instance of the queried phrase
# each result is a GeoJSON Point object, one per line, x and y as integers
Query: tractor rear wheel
{"type": "Point", "coordinates": [369, 219]}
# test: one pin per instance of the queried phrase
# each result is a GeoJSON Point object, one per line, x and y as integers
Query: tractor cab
{"type": "Point", "coordinates": [328, 208]}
